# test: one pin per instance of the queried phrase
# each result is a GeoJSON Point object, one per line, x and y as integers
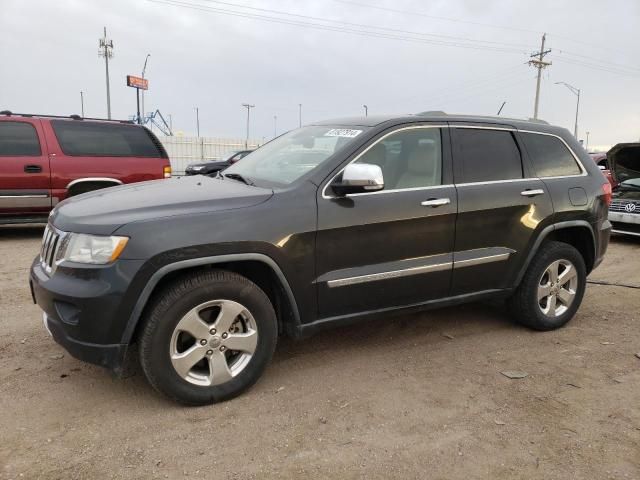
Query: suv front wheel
{"type": "Point", "coordinates": [552, 288]}
{"type": "Point", "coordinates": [207, 337]}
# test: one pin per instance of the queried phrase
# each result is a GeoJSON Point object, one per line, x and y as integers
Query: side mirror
{"type": "Point", "coordinates": [359, 178]}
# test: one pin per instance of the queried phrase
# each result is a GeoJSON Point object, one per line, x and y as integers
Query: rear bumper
{"type": "Point", "coordinates": [602, 244]}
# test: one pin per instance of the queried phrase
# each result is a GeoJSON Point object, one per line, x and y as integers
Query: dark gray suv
{"type": "Point", "coordinates": [331, 223]}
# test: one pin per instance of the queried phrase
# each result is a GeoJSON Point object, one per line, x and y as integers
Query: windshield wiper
{"type": "Point", "coordinates": [237, 176]}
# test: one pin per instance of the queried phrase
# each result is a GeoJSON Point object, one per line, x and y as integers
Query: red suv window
{"type": "Point", "coordinates": [84, 138]}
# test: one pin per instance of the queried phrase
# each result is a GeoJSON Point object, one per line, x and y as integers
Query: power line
{"type": "Point", "coordinates": [353, 31]}
{"type": "Point", "coordinates": [470, 22]}
{"type": "Point", "coordinates": [436, 17]}
{"type": "Point", "coordinates": [360, 25]}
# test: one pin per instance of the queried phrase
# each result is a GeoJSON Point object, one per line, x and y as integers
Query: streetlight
{"type": "Point", "coordinates": [275, 126]}
{"type": "Point", "coordinates": [248, 107]}
{"type": "Point", "coordinates": [366, 110]}
{"type": "Point", "coordinates": [576, 92]}
{"type": "Point", "coordinates": [197, 121]}
{"type": "Point", "coordinates": [299, 114]}
{"type": "Point", "coordinates": [587, 146]}
{"type": "Point", "coordinates": [82, 102]}
{"type": "Point", "coordinates": [144, 69]}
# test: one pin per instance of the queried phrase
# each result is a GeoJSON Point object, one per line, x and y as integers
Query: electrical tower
{"type": "Point", "coordinates": [539, 63]}
{"type": "Point", "coordinates": [106, 51]}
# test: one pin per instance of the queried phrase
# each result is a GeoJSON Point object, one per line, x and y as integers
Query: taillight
{"type": "Point", "coordinates": [606, 193]}
{"type": "Point", "coordinates": [166, 171]}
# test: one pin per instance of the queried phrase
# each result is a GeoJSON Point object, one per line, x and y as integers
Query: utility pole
{"type": "Point", "coordinates": [299, 114]}
{"type": "Point", "coordinates": [144, 69]}
{"type": "Point", "coordinates": [248, 107]}
{"type": "Point", "coordinates": [197, 121]}
{"type": "Point", "coordinates": [275, 126]}
{"type": "Point", "coordinates": [576, 92]}
{"type": "Point", "coordinates": [540, 64]}
{"type": "Point", "coordinates": [106, 51]}
{"type": "Point", "coordinates": [366, 110]}
{"type": "Point", "coordinates": [82, 103]}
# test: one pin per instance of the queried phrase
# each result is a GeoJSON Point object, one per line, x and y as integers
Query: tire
{"type": "Point", "coordinates": [224, 310]}
{"type": "Point", "coordinates": [540, 314]}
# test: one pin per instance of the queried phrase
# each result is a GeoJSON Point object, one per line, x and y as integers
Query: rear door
{"type": "Point", "coordinates": [393, 247]}
{"type": "Point", "coordinates": [500, 206]}
{"type": "Point", "coordinates": [24, 169]}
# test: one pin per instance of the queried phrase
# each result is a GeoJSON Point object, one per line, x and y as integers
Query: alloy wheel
{"type": "Point", "coordinates": [557, 288]}
{"type": "Point", "coordinates": [213, 342]}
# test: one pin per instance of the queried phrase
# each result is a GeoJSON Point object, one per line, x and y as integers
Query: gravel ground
{"type": "Point", "coordinates": [410, 397]}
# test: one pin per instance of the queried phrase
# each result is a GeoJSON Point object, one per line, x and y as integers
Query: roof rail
{"type": "Point", "coordinates": [74, 116]}
{"type": "Point", "coordinates": [440, 113]}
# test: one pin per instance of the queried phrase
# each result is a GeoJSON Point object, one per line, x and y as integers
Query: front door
{"type": "Point", "coordinates": [24, 170]}
{"type": "Point", "coordinates": [500, 204]}
{"type": "Point", "coordinates": [392, 247]}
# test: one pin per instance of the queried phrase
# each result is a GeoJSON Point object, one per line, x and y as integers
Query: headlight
{"type": "Point", "coordinates": [196, 168]}
{"type": "Point", "coordinates": [94, 249]}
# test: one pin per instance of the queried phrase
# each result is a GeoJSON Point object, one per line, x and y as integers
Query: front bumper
{"type": "Point", "coordinates": [625, 223]}
{"type": "Point", "coordinates": [87, 308]}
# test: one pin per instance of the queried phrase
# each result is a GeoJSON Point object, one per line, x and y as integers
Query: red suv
{"type": "Point", "coordinates": [45, 159]}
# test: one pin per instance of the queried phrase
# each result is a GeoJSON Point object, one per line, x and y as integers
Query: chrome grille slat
{"type": "Point", "coordinates": [619, 206]}
{"type": "Point", "coordinates": [50, 245]}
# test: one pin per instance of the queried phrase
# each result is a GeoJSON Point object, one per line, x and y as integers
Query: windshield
{"type": "Point", "coordinates": [288, 157]}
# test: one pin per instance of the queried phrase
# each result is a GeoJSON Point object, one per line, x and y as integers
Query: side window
{"type": "Point", "coordinates": [409, 158]}
{"type": "Point", "coordinates": [104, 139]}
{"type": "Point", "coordinates": [487, 155]}
{"type": "Point", "coordinates": [549, 156]}
{"type": "Point", "coordinates": [18, 139]}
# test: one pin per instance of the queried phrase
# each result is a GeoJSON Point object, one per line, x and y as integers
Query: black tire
{"type": "Point", "coordinates": [171, 304]}
{"type": "Point", "coordinates": [524, 305]}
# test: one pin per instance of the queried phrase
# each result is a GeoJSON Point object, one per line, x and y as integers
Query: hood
{"type": "Point", "coordinates": [624, 161]}
{"type": "Point", "coordinates": [104, 211]}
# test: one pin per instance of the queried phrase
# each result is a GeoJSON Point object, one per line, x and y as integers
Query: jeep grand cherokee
{"type": "Point", "coordinates": [328, 224]}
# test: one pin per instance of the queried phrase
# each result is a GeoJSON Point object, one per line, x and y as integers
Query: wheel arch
{"type": "Point", "coordinates": [104, 181]}
{"type": "Point", "coordinates": [257, 267]}
{"type": "Point", "coordinates": [578, 233]}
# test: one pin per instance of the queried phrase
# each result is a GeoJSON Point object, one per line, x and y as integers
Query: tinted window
{"type": "Point", "coordinates": [18, 139]}
{"type": "Point", "coordinates": [487, 155]}
{"type": "Point", "coordinates": [410, 158]}
{"type": "Point", "coordinates": [549, 156]}
{"type": "Point", "coordinates": [104, 139]}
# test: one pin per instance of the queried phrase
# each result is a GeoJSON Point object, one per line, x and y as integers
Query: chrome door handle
{"type": "Point", "coordinates": [532, 193]}
{"type": "Point", "coordinates": [435, 202]}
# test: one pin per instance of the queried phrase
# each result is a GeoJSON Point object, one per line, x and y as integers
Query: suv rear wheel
{"type": "Point", "coordinates": [552, 288]}
{"type": "Point", "coordinates": [207, 337]}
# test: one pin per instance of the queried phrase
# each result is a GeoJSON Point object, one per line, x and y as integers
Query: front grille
{"type": "Point", "coordinates": [621, 206]}
{"type": "Point", "coordinates": [50, 246]}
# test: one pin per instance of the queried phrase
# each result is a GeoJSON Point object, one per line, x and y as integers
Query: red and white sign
{"type": "Point", "coordinates": [137, 82]}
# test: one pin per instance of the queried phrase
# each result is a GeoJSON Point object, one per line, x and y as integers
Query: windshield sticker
{"type": "Point", "coordinates": [343, 132]}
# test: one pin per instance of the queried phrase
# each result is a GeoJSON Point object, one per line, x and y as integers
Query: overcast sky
{"type": "Point", "coordinates": [460, 56]}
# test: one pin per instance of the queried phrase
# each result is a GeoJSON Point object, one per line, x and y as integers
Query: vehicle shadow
{"type": "Point", "coordinates": [21, 232]}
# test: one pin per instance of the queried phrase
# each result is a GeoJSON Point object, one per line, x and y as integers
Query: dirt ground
{"type": "Point", "coordinates": [413, 397]}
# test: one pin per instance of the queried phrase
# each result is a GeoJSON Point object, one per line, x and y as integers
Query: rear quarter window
{"type": "Point", "coordinates": [487, 155]}
{"type": "Point", "coordinates": [81, 138]}
{"type": "Point", "coordinates": [549, 156]}
{"type": "Point", "coordinates": [18, 139]}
